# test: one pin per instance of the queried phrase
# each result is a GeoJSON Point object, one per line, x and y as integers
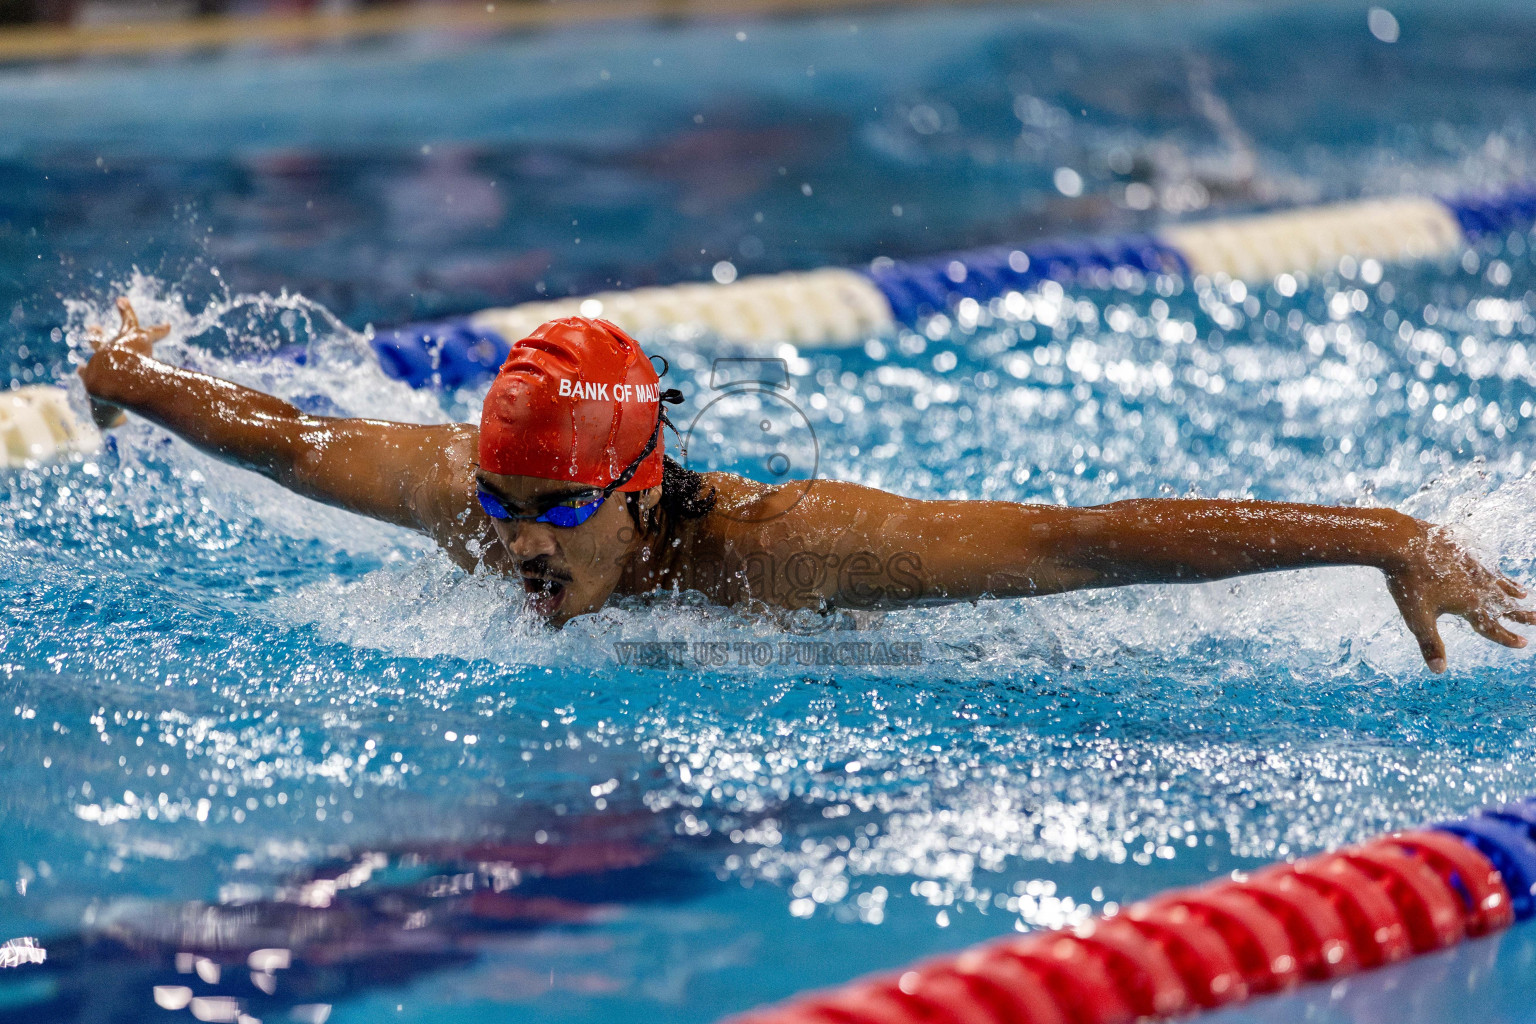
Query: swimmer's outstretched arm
{"type": "Point", "coordinates": [971, 549]}
{"type": "Point", "coordinates": [389, 471]}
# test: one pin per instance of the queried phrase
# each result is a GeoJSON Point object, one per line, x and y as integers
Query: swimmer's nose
{"type": "Point", "coordinates": [530, 540]}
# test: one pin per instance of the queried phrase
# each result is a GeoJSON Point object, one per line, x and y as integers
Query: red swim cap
{"type": "Point", "coordinates": [576, 400]}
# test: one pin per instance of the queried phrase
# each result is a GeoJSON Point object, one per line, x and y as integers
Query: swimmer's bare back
{"type": "Point", "coordinates": [824, 545]}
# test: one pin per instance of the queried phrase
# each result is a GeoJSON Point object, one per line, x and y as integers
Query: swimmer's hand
{"type": "Point", "coordinates": [1439, 577]}
{"type": "Point", "coordinates": [106, 358]}
{"type": "Point", "coordinates": [419, 476]}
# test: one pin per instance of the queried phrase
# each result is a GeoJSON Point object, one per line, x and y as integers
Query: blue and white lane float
{"type": "Point", "coordinates": [836, 306]}
{"type": "Point", "coordinates": [38, 425]}
{"type": "Point", "coordinates": [1187, 950]}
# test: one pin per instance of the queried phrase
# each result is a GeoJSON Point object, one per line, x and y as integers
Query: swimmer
{"type": "Point", "coordinates": [567, 485]}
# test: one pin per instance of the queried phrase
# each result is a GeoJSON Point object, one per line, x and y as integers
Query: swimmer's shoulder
{"type": "Point", "coordinates": [752, 519]}
{"type": "Point", "coordinates": [747, 511]}
{"type": "Point", "coordinates": [743, 501]}
{"type": "Point", "coordinates": [758, 532]}
{"type": "Point", "coordinates": [736, 500]}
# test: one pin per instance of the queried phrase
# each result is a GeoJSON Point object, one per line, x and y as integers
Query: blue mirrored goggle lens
{"type": "Point", "coordinates": [493, 508]}
{"type": "Point", "coordinates": [563, 516]}
{"type": "Point", "coordinates": [567, 516]}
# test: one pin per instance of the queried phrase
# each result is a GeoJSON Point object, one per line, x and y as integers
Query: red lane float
{"type": "Point", "coordinates": [1467, 873]}
{"type": "Point", "coordinates": [1324, 917]}
{"type": "Point", "coordinates": [1375, 924]}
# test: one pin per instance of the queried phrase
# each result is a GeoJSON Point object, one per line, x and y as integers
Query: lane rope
{"type": "Point", "coordinates": [837, 307]}
{"type": "Point", "coordinates": [834, 307]}
{"type": "Point", "coordinates": [1186, 950]}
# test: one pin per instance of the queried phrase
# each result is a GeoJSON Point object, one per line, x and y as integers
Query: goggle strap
{"type": "Point", "coordinates": [650, 445]}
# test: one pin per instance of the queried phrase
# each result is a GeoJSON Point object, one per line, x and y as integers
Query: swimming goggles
{"type": "Point", "coordinates": [567, 517]}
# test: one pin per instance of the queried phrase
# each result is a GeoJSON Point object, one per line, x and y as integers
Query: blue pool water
{"type": "Point", "coordinates": [237, 720]}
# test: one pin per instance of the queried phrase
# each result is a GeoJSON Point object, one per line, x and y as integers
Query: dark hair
{"type": "Point", "coordinates": [682, 490]}
{"type": "Point", "coordinates": [683, 496]}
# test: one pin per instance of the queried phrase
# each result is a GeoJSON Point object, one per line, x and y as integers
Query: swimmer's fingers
{"type": "Point", "coordinates": [1420, 617]}
{"type": "Point", "coordinates": [1524, 616]}
{"type": "Point", "coordinates": [1430, 645]}
{"type": "Point", "coordinates": [1489, 626]}
{"type": "Point", "coordinates": [131, 332]}
{"type": "Point", "coordinates": [1512, 588]}
{"type": "Point", "coordinates": [125, 313]}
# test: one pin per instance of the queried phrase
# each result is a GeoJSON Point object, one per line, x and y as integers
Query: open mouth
{"type": "Point", "coordinates": [544, 593]}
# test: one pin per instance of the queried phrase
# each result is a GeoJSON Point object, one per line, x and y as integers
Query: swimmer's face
{"type": "Point", "coordinates": [565, 571]}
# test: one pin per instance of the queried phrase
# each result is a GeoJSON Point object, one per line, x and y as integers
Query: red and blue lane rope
{"type": "Point", "coordinates": [1217, 944]}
